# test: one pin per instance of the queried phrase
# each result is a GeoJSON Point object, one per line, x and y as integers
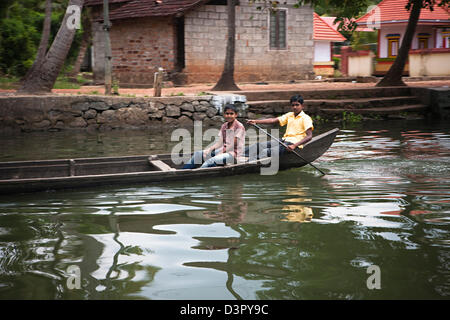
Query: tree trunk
{"type": "Point", "coordinates": [85, 42]}
{"type": "Point", "coordinates": [226, 81]}
{"type": "Point", "coordinates": [43, 77]}
{"type": "Point", "coordinates": [42, 50]}
{"type": "Point", "coordinates": [394, 75]}
{"type": "Point", "coordinates": [108, 53]}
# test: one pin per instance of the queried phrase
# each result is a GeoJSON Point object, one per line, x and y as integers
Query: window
{"type": "Point", "coordinates": [278, 29]}
{"type": "Point", "coordinates": [393, 44]}
{"type": "Point", "coordinates": [423, 40]}
{"type": "Point", "coordinates": [446, 38]}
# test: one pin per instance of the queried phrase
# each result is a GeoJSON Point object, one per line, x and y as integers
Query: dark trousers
{"type": "Point", "coordinates": [264, 149]}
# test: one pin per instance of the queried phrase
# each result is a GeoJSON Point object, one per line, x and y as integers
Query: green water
{"type": "Point", "coordinates": [385, 201]}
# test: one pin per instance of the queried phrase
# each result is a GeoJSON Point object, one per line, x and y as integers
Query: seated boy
{"type": "Point", "coordinates": [230, 146]}
{"type": "Point", "coordinates": [298, 132]}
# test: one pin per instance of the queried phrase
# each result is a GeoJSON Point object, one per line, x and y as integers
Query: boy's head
{"type": "Point", "coordinates": [230, 112]}
{"type": "Point", "coordinates": [297, 103]}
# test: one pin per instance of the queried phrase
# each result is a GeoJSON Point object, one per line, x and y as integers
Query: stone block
{"type": "Point", "coordinates": [199, 116]}
{"type": "Point", "coordinates": [185, 121]}
{"type": "Point", "coordinates": [80, 106]}
{"type": "Point", "coordinates": [132, 116]}
{"type": "Point", "coordinates": [211, 112]}
{"type": "Point", "coordinates": [77, 122]}
{"type": "Point", "coordinates": [188, 106]}
{"type": "Point", "coordinates": [166, 121]}
{"type": "Point", "coordinates": [106, 116]}
{"type": "Point", "coordinates": [173, 111]}
{"type": "Point", "coordinates": [99, 105]}
{"type": "Point", "coordinates": [90, 114]}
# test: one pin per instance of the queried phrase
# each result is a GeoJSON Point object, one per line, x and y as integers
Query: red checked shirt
{"type": "Point", "coordinates": [233, 138]}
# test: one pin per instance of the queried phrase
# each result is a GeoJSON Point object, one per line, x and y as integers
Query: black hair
{"type": "Point", "coordinates": [231, 107]}
{"type": "Point", "coordinates": [297, 98]}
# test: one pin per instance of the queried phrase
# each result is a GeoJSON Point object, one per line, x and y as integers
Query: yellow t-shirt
{"type": "Point", "coordinates": [296, 126]}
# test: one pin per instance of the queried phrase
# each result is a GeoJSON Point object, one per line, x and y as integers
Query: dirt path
{"type": "Point", "coordinates": [196, 89]}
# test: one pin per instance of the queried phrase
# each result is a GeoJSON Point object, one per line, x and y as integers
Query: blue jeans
{"type": "Point", "coordinates": [211, 160]}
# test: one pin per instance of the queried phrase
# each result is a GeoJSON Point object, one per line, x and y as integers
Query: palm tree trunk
{"type": "Point", "coordinates": [42, 50]}
{"type": "Point", "coordinates": [42, 79]}
{"type": "Point", "coordinates": [226, 81]}
{"type": "Point", "coordinates": [394, 75]}
{"type": "Point", "coordinates": [85, 42]}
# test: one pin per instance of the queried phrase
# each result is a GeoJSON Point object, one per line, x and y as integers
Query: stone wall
{"type": "Point", "coordinates": [91, 112]}
{"type": "Point", "coordinates": [206, 38]}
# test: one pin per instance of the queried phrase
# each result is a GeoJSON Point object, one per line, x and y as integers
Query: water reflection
{"type": "Point", "coordinates": [290, 236]}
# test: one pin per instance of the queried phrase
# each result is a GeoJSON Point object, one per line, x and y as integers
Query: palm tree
{"type": "Point", "coordinates": [394, 75]}
{"type": "Point", "coordinates": [226, 81]}
{"type": "Point", "coordinates": [43, 76]}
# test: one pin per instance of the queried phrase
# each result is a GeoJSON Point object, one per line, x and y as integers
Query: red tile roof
{"type": "Point", "coordinates": [323, 31]}
{"type": "Point", "coordinates": [153, 8]}
{"type": "Point", "coordinates": [392, 11]}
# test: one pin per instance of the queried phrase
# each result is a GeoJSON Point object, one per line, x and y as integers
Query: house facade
{"type": "Point", "coordinates": [187, 39]}
{"type": "Point", "coordinates": [390, 18]}
{"type": "Point", "coordinates": [324, 36]}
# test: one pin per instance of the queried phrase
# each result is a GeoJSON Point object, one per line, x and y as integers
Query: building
{"type": "Point", "coordinates": [324, 36]}
{"type": "Point", "coordinates": [430, 45]}
{"type": "Point", "coordinates": [188, 39]}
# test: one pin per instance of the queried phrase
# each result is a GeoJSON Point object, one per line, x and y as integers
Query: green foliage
{"type": "Point", "coordinates": [318, 119]}
{"type": "Point", "coordinates": [66, 83]}
{"type": "Point", "coordinates": [361, 40]}
{"type": "Point", "coordinates": [21, 23]}
{"type": "Point", "coordinates": [8, 82]}
{"type": "Point", "coordinates": [350, 117]}
{"type": "Point", "coordinates": [19, 38]}
{"type": "Point", "coordinates": [337, 63]}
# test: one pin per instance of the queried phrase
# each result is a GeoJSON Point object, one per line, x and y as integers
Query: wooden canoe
{"type": "Point", "coordinates": [28, 176]}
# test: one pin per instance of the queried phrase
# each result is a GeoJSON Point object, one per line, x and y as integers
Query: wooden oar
{"type": "Point", "coordinates": [286, 146]}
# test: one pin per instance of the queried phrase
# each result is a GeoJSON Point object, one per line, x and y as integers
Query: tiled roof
{"type": "Point", "coordinates": [323, 31]}
{"type": "Point", "coordinates": [153, 8]}
{"type": "Point", "coordinates": [392, 11]}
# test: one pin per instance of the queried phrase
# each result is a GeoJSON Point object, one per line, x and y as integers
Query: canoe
{"type": "Point", "coordinates": [31, 176]}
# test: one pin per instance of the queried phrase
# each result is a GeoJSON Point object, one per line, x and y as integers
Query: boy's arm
{"type": "Point", "coordinates": [214, 147]}
{"type": "Point", "coordinates": [303, 141]}
{"type": "Point", "coordinates": [263, 121]}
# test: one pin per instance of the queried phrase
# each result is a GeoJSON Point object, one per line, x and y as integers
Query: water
{"type": "Point", "coordinates": [385, 201]}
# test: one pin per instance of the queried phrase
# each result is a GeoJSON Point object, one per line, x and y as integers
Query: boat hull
{"type": "Point", "coordinates": [30, 176]}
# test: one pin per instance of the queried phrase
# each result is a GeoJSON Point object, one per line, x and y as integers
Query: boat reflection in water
{"type": "Point", "coordinates": [210, 245]}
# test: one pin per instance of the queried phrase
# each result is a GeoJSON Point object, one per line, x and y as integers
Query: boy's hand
{"type": "Point", "coordinates": [249, 121]}
{"type": "Point", "coordinates": [291, 147]}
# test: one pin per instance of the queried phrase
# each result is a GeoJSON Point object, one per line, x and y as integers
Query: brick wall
{"type": "Point", "coordinates": [139, 46]}
{"type": "Point", "coordinates": [205, 42]}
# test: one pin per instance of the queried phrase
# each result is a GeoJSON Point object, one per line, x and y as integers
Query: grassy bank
{"type": "Point", "coordinates": [63, 82]}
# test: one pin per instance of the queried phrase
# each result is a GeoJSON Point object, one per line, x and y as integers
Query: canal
{"type": "Point", "coordinates": [377, 226]}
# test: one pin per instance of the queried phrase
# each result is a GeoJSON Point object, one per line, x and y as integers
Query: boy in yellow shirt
{"type": "Point", "coordinates": [299, 127]}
